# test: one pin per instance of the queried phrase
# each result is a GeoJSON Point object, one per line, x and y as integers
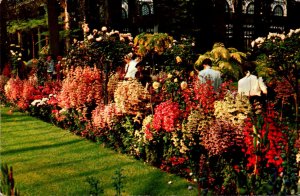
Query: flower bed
{"type": "Point", "coordinates": [169, 119]}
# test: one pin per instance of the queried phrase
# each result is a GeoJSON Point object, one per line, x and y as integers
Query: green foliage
{"type": "Point", "coordinates": [25, 25]}
{"type": "Point", "coordinates": [152, 43]}
{"type": "Point", "coordinates": [227, 60]}
{"type": "Point", "coordinates": [95, 186]}
{"type": "Point", "coordinates": [118, 181]}
{"type": "Point", "coordinates": [7, 181]}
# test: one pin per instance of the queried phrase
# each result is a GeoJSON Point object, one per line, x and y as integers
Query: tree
{"type": "Point", "coordinates": [3, 33]}
{"type": "Point", "coordinates": [53, 26]}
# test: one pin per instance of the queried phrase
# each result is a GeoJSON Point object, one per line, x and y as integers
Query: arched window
{"type": "Point", "coordinates": [250, 8]}
{"type": "Point", "coordinates": [124, 9]}
{"type": "Point", "coordinates": [145, 9]}
{"type": "Point", "coordinates": [124, 14]}
{"type": "Point", "coordinates": [278, 11]}
{"type": "Point", "coordinates": [226, 8]}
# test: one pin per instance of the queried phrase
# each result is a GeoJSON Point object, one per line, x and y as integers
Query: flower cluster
{"type": "Point", "coordinates": [131, 97]}
{"type": "Point", "coordinates": [265, 144]}
{"type": "Point", "coordinates": [234, 109]}
{"type": "Point", "coordinates": [166, 116]}
{"type": "Point", "coordinates": [3, 81]}
{"type": "Point", "coordinates": [258, 42]}
{"type": "Point", "coordinates": [220, 137]}
{"type": "Point", "coordinates": [205, 95]}
{"type": "Point", "coordinates": [112, 85]}
{"type": "Point", "coordinates": [80, 88]}
{"type": "Point", "coordinates": [292, 32]}
{"type": "Point", "coordinates": [147, 134]}
{"type": "Point", "coordinates": [104, 116]}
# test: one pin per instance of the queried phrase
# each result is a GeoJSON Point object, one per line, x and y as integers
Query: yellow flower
{"type": "Point", "coordinates": [170, 75]}
{"type": "Point", "coordinates": [192, 73]}
{"type": "Point", "coordinates": [178, 59]}
{"type": "Point", "coordinates": [156, 85]}
{"type": "Point", "coordinates": [175, 80]}
{"type": "Point", "coordinates": [183, 85]}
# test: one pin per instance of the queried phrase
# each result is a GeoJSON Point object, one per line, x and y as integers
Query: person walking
{"type": "Point", "coordinates": [252, 86]}
{"type": "Point", "coordinates": [209, 74]}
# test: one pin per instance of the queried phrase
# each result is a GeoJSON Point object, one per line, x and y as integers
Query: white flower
{"type": "Point", "coordinates": [195, 180]}
{"type": "Point", "coordinates": [90, 37]}
{"type": "Point", "coordinates": [156, 85]}
{"type": "Point", "coordinates": [104, 28]}
{"type": "Point", "coordinates": [122, 39]}
{"type": "Point", "coordinates": [193, 44]}
{"type": "Point", "coordinates": [170, 182]}
{"type": "Point", "coordinates": [98, 39]}
{"type": "Point", "coordinates": [35, 102]}
{"type": "Point", "coordinates": [190, 188]}
{"type": "Point", "coordinates": [45, 99]}
{"type": "Point", "coordinates": [183, 85]}
{"type": "Point", "coordinates": [19, 59]}
{"type": "Point", "coordinates": [191, 173]}
{"type": "Point", "coordinates": [20, 54]}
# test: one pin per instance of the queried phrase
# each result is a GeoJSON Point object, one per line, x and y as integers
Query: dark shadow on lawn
{"type": "Point", "coordinates": [20, 150]}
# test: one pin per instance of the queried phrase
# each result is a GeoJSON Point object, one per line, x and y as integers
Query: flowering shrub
{"type": "Point", "coordinates": [234, 109]}
{"type": "Point", "coordinates": [80, 88]}
{"type": "Point", "coordinates": [205, 95]}
{"type": "Point", "coordinates": [105, 116]}
{"type": "Point", "coordinates": [280, 53]}
{"type": "Point", "coordinates": [220, 137]}
{"type": "Point", "coordinates": [166, 116]}
{"type": "Point", "coordinates": [12, 89]}
{"type": "Point", "coordinates": [3, 81]}
{"type": "Point", "coordinates": [264, 145]}
{"type": "Point", "coordinates": [131, 97]}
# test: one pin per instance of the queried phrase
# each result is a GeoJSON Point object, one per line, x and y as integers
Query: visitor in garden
{"type": "Point", "coordinates": [251, 85]}
{"type": "Point", "coordinates": [209, 74]}
{"type": "Point", "coordinates": [131, 66]}
{"type": "Point", "coordinates": [56, 71]}
{"type": "Point", "coordinates": [50, 67]}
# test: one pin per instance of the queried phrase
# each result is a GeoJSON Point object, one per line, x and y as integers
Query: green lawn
{"type": "Point", "coordinates": [50, 161]}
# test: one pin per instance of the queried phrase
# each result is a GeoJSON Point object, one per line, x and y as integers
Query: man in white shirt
{"type": "Point", "coordinates": [130, 68]}
{"type": "Point", "coordinates": [209, 74]}
{"type": "Point", "coordinates": [251, 85]}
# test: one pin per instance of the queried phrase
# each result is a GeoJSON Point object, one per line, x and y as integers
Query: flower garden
{"type": "Point", "coordinates": [216, 139]}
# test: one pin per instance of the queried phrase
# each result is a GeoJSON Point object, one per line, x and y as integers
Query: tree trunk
{"type": "Point", "coordinates": [53, 26]}
{"type": "Point", "coordinates": [67, 26]}
{"type": "Point", "coordinates": [39, 38]}
{"type": "Point", "coordinates": [3, 35]}
{"type": "Point", "coordinates": [33, 44]}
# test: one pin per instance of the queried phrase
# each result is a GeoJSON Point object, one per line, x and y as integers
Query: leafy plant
{"type": "Point", "coordinates": [227, 60]}
{"type": "Point", "coordinates": [118, 181]}
{"type": "Point", "coordinates": [7, 185]}
{"type": "Point", "coordinates": [95, 186]}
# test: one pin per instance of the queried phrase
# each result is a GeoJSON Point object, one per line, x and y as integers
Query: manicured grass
{"type": "Point", "coordinates": [50, 161]}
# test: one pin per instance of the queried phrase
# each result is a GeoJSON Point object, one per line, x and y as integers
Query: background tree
{"type": "Point", "coordinates": [3, 34]}
{"type": "Point", "coordinates": [53, 10]}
